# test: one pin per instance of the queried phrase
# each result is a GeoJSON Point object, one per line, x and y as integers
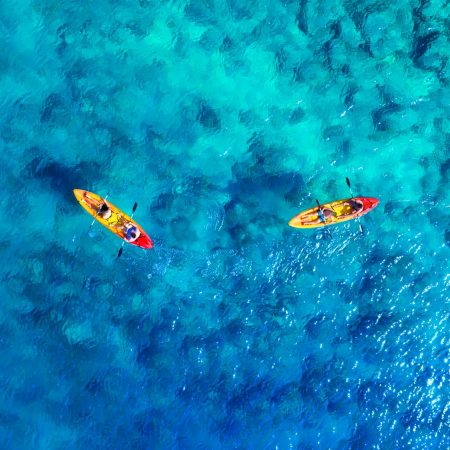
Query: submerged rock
{"type": "Point", "coordinates": [207, 116]}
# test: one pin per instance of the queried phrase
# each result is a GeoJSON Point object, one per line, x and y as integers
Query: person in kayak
{"type": "Point", "coordinates": [105, 211]}
{"type": "Point", "coordinates": [356, 205]}
{"type": "Point", "coordinates": [321, 216]}
{"type": "Point", "coordinates": [328, 213]}
{"type": "Point", "coordinates": [131, 232]}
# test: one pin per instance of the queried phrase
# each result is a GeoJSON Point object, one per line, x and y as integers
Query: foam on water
{"type": "Point", "coordinates": [224, 119]}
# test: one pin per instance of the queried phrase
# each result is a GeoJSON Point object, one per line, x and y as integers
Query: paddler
{"type": "Point", "coordinates": [131, 232]}
{"type": "Point", "coordinates": [105, 211]}
{"type": "Point", "coordinates": [328, 213]}
{"type": "Point", "coordinates": [322, 216]}
{"type": "Point", "coordinates": [356, 205]}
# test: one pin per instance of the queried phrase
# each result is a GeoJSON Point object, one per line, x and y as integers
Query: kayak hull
{"type": "Point", "coordinates": [117, 222]}
{"type": "Point", "coordinates": [339, 211]}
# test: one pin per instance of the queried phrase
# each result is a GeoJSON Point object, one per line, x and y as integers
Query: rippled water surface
{"type": "Point", "coordinates": [224, 119]}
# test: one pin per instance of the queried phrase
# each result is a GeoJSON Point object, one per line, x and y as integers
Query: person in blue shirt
{"type": "Point", "coordinates": [131, 232]}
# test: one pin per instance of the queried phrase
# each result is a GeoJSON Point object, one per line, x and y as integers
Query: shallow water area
{"type": "Point", "coordinates": [223, 120]}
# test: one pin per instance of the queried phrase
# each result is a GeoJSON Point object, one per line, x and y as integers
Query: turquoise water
{"type": "Point", "coordinates": [224, 119]}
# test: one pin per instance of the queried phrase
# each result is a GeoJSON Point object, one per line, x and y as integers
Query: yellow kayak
{"type": "Point", "coordinates": [334, 212]}
{"type": "Point", "coordinates": [113, 218]}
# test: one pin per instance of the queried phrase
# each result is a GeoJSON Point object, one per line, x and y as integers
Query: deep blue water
{"type": "Point", "coordinates": [223, 120]}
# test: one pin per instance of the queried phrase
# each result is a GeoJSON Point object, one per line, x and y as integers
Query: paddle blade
{"type": "Point", "coordinates": [361, 229]}
{"type": "Point", "coordinates": [134, 207]}
{"type": "Point", "coordinates": [348, 184]}
{"type": "Point", "coordinates": [318, 204]}
{"type": "Point", "coordinates": [120, 252]}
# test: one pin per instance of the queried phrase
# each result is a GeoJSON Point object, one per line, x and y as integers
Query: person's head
{"type": "Point", "coordinates": [358, 205]}
{"type": "Point", "coordinates": [132, 232]}
{"type": "Point", "coordinates": [105, 211]}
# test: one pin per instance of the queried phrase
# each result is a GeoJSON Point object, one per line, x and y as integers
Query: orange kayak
{"type": "Point", "coordinates": [114, 219]}
{"type": "Point", "coordinates": [334, 212]}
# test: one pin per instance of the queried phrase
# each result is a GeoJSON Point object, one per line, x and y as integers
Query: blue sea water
{"type": "Point", "coordinates": [223, 119]}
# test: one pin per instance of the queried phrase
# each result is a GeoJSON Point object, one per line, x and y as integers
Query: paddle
{"type": "Point", "coordinates": [322, 217]}
{"type": "Point", "coordinates": [351, 193]}
{"type": "Point", "coordinates": [349, 186]}
{"type": "Point", "coordinates": [123, 243]}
